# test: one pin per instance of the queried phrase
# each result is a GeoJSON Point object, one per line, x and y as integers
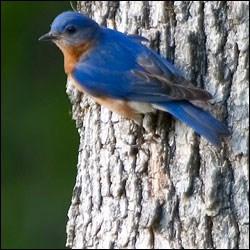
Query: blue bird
{"type": "Point", "coordinates": [119, 72]}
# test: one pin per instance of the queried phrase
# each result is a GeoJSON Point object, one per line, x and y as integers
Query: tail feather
{"type": "Point", "coordinates": [201, 121]}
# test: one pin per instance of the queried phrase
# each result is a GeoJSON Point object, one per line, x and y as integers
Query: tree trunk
{"type": "Point", "coordinates": [160, 185]}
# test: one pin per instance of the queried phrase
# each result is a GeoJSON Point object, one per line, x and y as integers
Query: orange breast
{"type": "Point", "coordinates": [71, 57]}
{"type": "Point", "coordinates": [122, 107]}
{"type": "Point", "coordinates": [72, 54]}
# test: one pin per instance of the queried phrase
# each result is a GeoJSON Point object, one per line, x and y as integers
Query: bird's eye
{"type": "Point", "coordinates": [71, 29]}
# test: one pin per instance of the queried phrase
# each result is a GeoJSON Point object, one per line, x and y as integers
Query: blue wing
{"type": "Point", "coordinates": [119, 67]}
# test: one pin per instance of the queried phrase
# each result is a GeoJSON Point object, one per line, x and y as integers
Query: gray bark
{"type": "Point", "coordinates": [161, 185]}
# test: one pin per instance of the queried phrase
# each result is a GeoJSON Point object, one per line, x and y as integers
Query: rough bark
{"type": "Point", "coordinates": [161, 185]}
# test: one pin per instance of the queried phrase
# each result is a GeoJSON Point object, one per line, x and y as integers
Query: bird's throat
{"type": "Point", "coordinates": [72, 54]}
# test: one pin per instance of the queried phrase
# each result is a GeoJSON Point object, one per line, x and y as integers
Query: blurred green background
{"type": "Point", "coordinates": [38, 137]}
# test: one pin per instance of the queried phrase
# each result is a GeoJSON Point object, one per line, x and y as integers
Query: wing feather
{"type": "Point", "coordinates": [123, 68]}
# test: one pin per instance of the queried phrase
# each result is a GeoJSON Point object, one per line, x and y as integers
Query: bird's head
{"type": "Point", "coordinates": [71, 28]}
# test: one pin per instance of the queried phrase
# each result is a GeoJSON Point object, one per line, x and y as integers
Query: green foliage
{"type": "Point", "coordinates": [39, 140]}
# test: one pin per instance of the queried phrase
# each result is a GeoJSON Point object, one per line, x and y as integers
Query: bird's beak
{"type": "Point", "coordinates": [48, 37]}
